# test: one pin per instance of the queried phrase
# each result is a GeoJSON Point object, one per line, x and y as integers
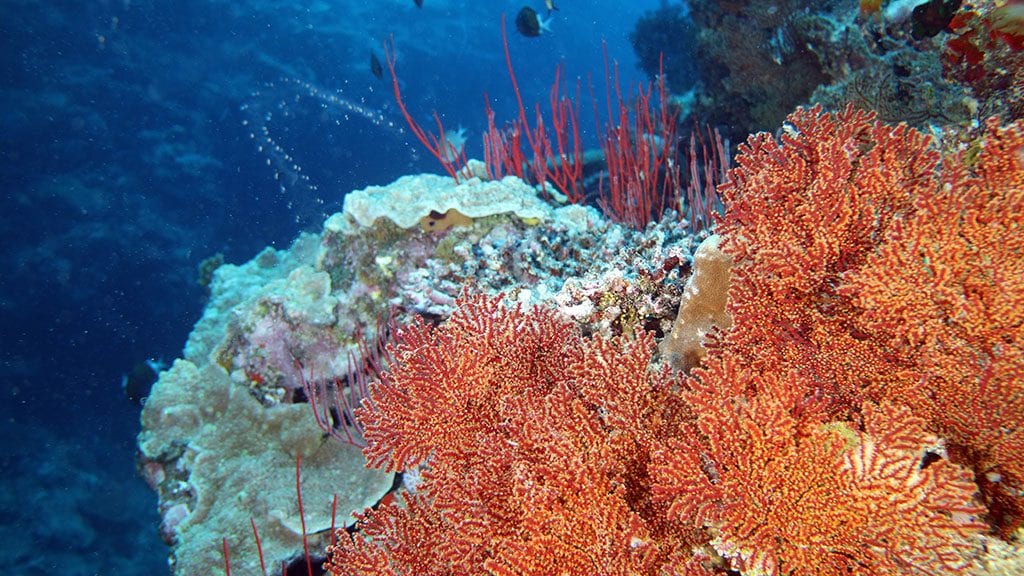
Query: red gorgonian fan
{"type": "Point", "coordinates": [782, 495]}
{"type": "Point", "coordinates": [945, 291]}
{"type": "Point", "coordinates": [535, 445]}
{"type": "Point", "coordinates": [870, 269]}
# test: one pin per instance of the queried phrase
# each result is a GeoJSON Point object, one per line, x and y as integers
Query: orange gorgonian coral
{"type": "Point", "coordinates": [784, 496]}
{"type": "Point", "coordinates": [801, 212]}
{"type": "Point", "coordinates": [945, 291]}
{"type": "Point", "coordinates": [867, 270]}
{"type": "Point", "coordinates": [534, 448]}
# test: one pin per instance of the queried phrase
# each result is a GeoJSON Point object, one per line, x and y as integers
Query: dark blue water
{"type": "Point", "coordinates": [127, 158]}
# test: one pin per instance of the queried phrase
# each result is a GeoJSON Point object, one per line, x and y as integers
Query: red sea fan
{"type": "Point", "coordinates": [803, 211]}
{"type": "Point", "coordinates": [534, 446]}
{"type": "Point", "coordinates": [868, 270]}
{"type": "Point", "coordinates": [445, 395]}
{"type": "Point", "coordinates": [810, 205]}
{"type": "Point", "coordinates": [945, 289]}
{"type": "Point", "coordinates": [820, 402]}
{"type": "Point", "coordinates": [870, 382]}
{"type": "Point", "coordinates": [781, 496]}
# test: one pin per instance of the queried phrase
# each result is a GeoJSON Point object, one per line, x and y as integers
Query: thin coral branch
{"type": "Point", "coordinates": [334, 402]}
{"type": "Point", "coordinates": [560, 163]}
{"type": "Point", "coordinates": [302, 515]}
{"type": "Point", "coordinates": [334, 517]}
{"type": "Point", "coordinates": [227, 557]}
{"type": "Point", "coordinates": [708, 162]}
{"type": "Point", "coordinates": [452, 160]}
{"type": "Point", "coordinates": [523, 123]}
{"type": "Point", "coordinates": [259, 545]}
{"type": "Point", "coordinates": [564, 165]}
{"type": "Point", "coordinates": [503, 151]}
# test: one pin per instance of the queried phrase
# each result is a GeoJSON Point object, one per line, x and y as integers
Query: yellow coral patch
{"type": "Point", "coordinates": [438, 222]}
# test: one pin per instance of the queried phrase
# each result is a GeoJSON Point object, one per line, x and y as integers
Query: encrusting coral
{"type": "Point", "coordinates": [219, 459]}
{"type": "Point", "coordinates": [870, 385]}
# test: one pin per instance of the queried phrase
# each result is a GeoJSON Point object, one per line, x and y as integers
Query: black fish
{"type": "Point", "coordinates": [137, 384]}
{"type": "Point", "coordinates": [419, 3]}
{"type": "Point", "coordinates": [528, 23]}
{"type": "Point", "coordinates": [375, 67]}
{"type": "Point", "coordinates": [932, 17]}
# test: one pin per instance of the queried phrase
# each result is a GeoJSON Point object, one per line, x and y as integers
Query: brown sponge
{"type": "Point", "coordinates": [702, 306]}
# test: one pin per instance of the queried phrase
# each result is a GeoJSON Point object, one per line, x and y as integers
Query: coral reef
{"type": "Point", "coordinates": [985, 52]}
{"type": "Point", "coordinates": [820, 433]}
{"type": "Point", "coordinates": [901, 83]}
{"type": "Point", "coordinates": [233, 411]}
{"type": "Point", "coordinates": [571, 252]}
{"type": "Point", "coordinates": [756, 62]}
{"type": "Point", "coordinates": [850, 401]}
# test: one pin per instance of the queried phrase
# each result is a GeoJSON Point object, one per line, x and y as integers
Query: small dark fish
{"type": "Point", "coordinates": [375, 67]}
{"type": "Point", "coordinates": [932, 17]}
{"type": "Point", "coordinates": [137, 384]}
{"type": "Point", "coordinates": [419, 3]}
{"type": "Point", "coordinates": [528, 23]}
